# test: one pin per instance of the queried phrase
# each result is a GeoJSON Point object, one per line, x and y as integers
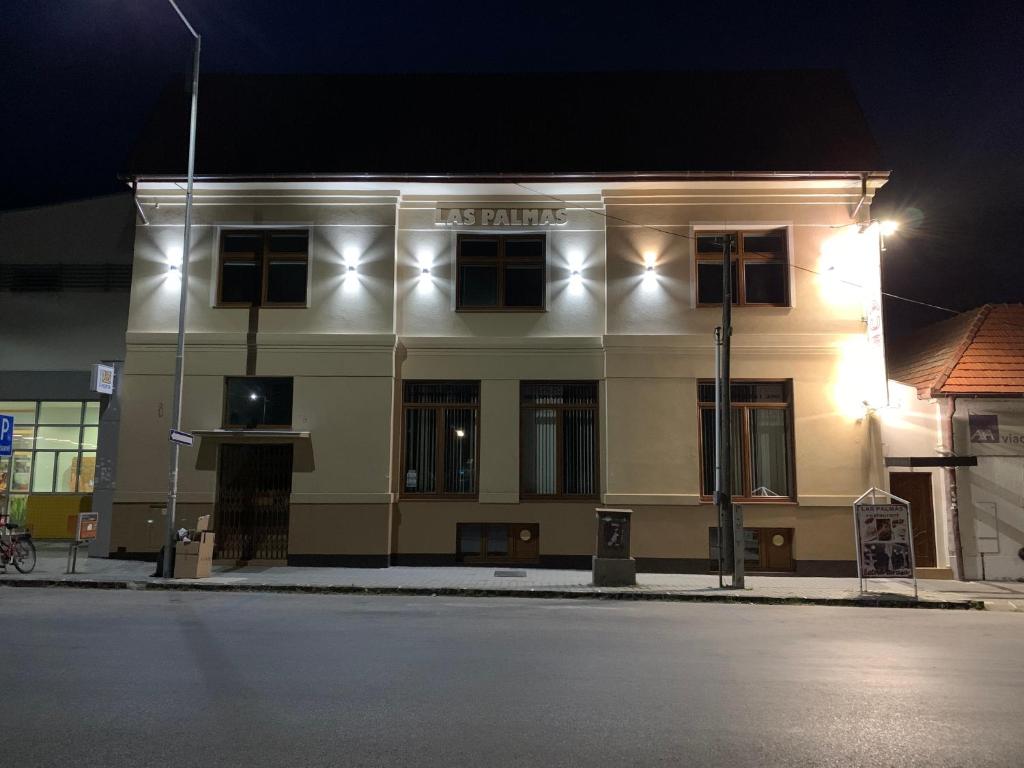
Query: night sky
{"type": "Point", "coordinates": [942, 85]}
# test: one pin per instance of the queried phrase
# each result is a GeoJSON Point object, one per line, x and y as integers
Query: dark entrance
{"type": "Point", "coordinates": [497, 543]}
{"type": "Point", "coordinates": [254, 483]}
{"type": "Point", "coordinates": [916, 487]}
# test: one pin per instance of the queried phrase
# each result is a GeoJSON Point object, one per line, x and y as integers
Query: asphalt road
{"type": "Point", "coordinates": [99, 678]}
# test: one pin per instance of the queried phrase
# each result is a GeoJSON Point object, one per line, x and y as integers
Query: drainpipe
{"type": "Point", "coordinates": [948, 447]}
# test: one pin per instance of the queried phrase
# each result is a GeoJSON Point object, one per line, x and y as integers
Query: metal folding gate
{"type": "Point", "coordinates": [254, 485]}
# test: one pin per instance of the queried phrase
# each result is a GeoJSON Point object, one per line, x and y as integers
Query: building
{"type": "Point", "coordinates": [439, 319]}
{"type": "Point", "coordinates": [956, 393]}
{"type": "Point", "coordinates": [65, 279]}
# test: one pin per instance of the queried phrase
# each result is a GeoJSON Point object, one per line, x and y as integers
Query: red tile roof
{"type": "Point", "coordinates": [980, 352]}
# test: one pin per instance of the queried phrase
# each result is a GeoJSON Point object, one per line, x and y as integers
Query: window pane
{"type": "Point", "coordinates": [42, 472]}
{"type": "Point", "coordinates": [579, 438]}
{"type": "Point", "coordinates": [24, 412]}
{"type": "Point", "coordinates": [765, 282]}
{"type": "Point", "coordinates": [421, 451]}
{"type": "Point", "coordinates": [773, 243]}
{"type": "Point", "coordinates": [92, 413]}
{"type": "Point", "coordinates": [460, 450]}
{"type": "Point", "coordinates": [472, 248]}
{"type": "Point", "coordinates": [470, 539]}
{"type": "Point", "coordinates": [769, 451]}
{"type": "Point", "coordinates": [290, 242]}
{"type": "Point", "coordinates": [239, 282]}
{"type": "Point", "coordinates": [22, 471]}
{"type": "Point", "coordinates": [736, 446]}
{"type": "Point", "coordinates": [557, 393]}
{"type": "Point", "coordinates": [60, 413]}
{"type": "Point", "coordinates": [522, 249]}
{"type": "Point", "coordinates": [90, 436]}
{"type": "Point", "coordinates": [711, 244]}
{"type": "Point", "coordinates": [524, 285]}
{"type": "Point", "coordinates": [243, 243]}
{"type": "Point", "coordinates": [478, 286]}
{"type": "Point", "coordinates": [67, 472]}
{"type": "Point", "coordinates": [707, 454]}
{"type": "Point", "coordinates": [539, 429]}
{"type": "Point", "coordinates": [87, 473]}
{"type": "Point", "coordinates": [752, 546]}
{"type": "Point", "coordinates": [709, 282]}
{"type": "Point", "coordinates": [24, 437]}
{"type": "Point", "coordinates": [442, 392]}
{"type": "Point", "coordinates": [286, 282]}
{"type": "Point", "coordinates": [57, 438]}
{"type": "Point", "coordinates": [759, 392]}
{"type": "Point", "coordinates": [16, 510]}
{"type": "Point", "coordinates": [497, 540]}
{"type": "Point", "coordinates": [254, 402]}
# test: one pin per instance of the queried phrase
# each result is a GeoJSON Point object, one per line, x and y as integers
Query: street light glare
{"type": "Point", "coordinates": [888, 226]}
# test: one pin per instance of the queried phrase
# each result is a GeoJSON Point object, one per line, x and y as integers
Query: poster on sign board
{"type": "Point", "coordinates": [884, 537]}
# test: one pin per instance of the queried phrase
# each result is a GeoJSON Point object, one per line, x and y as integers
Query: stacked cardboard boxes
{"type": "Point", "coordinates": [194, 558]}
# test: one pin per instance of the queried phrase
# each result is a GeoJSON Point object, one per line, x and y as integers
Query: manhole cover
{"type": "Point", "coordinates": [511, 574]}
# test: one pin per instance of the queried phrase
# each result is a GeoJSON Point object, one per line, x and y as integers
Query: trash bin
{"type": "Point", "coordinates": [612, 564]}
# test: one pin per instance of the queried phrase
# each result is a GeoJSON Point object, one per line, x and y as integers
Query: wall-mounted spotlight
{"type": "Point", "coordinates": [351, 268]}
{"type": "Point", "coordinates": [425, 271]}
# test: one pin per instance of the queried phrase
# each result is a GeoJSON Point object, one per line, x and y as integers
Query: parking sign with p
{"type": "Point", "coordinates": [6, 434]}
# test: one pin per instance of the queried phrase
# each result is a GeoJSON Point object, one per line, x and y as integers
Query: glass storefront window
{"type": "Point", "coordinates": [55, 444]}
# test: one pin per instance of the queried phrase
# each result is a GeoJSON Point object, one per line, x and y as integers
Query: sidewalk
{"type": "Point", "coordinates": [511, 581]}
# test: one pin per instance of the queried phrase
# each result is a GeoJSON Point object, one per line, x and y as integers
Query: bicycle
{"type": "Point", "coordinates": [16, 548]}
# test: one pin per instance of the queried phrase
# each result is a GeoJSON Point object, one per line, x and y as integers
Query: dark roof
{"type": "Point", "coordinates": [980, 352]}
{"type": "Point", "coordinates": [511, 124]}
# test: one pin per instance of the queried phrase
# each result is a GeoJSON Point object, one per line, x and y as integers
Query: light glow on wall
{"type": "Point", "coordinates": [174, 263]}
{"type": "Point", "coordinates": [350, 266]}
{"type": "Point", "coordinates": [575, 261]}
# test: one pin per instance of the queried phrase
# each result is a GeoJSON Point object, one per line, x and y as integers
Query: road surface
{"type": "Point", "coordinates": [98, 678]}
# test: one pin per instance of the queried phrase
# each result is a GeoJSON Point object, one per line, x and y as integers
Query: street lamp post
{"type": "Point", "coordinates": [179, 359]}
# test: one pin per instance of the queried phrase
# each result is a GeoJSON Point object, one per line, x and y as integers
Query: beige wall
{"type": "Point", "coordinates": [638, 333]}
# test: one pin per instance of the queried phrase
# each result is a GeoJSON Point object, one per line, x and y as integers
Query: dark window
{"type": "Point", "coordinates": [761, 440]}
{"type": "Point", "coordinates": [759, 273]}
{"type": "Point", "coordinates": [441, 434]}
{"type": "Point", "coordinates": [497, 542]}
{"type": "Point", "coordinates": [558, 439]}
{"type": "Point", "coordinates": [264, 268]}
{"type": "Point", "coordinates": [252, 402]}
{"type": "Point", "coordinates": [500, 272]}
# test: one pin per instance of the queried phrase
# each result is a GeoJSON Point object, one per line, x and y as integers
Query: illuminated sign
{"type": "Point", "coordinates": [501, 217]}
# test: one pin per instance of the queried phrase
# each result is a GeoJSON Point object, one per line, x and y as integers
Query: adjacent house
{"type": "Point", "coordinates": [438, 319]}
{"type": "Point", "coordinates": [957, 396]}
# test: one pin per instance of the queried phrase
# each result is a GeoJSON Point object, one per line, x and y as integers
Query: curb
{"type": "Point", "coordinates": [873, 601]}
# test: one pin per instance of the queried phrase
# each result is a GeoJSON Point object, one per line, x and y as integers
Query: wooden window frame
{"type": "Point", "coordinates": [741, 258]}
{"type": "Point", "coordinates": [560, 409]}
{"type": "Point", "coordinates": [746, 469]}
{"type": "Point", "coordinates": [262, 259]}
{"type": "Point", "coordinates": [224, 405]}
{"type": "Point", "coordinates": [439, 452]}
{"type": "Point", "coordinates": [499, 263]}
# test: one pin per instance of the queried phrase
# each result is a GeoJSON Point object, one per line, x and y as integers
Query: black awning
{"type": "Point", "coordinates": [931, 461]}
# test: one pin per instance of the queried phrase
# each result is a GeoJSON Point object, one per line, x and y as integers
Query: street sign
{"type": "Point", "coordinates": [6, 435]}
{"type": "Point", "coordinates": [87, 522]}
{"type": "Point", "coordinates": [182, 438]}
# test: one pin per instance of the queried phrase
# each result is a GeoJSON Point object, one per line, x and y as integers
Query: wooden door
{"type": "Point", "coordinates": [777, 549]}
{"type": "Point", "coordinates": [916, 487]}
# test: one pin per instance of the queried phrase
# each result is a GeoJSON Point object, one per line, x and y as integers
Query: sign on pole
{"type": "Point", "coordinates": [6, 435]}
{"type": "Point", "coordinates": [102, 379]}
{"type": "Point", "coordinates": [182, 438]}
{"type": "Point", "coordinates": [885, 539]}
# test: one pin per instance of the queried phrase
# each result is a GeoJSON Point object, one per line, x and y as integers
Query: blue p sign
{"type": "Point", "coordinates": [6, 434]}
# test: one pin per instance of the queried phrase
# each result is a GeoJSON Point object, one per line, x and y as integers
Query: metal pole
{"type": "Point", "coordinates": [739, 547]}
{"type": "Point", "coordinates": [179, 360]}
{"type": "Point", "coordinates": [718, 452]}
{"type": "Point", "coordinates": [725, 521]}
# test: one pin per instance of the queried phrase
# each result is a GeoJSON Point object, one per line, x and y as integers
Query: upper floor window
{"type": "Point", "coordinates": [558, 439]}
{"type": "Point", "coordinates": [500, 273]}
{"type": "Point", "coordinates": [263, 268]}
{"type": "Point", "coordinates": [761, 439]}
{"type": "Point", "coordinates": [442, 424]}
{"type": "Point", "coordinates": [759, 273]}
{"type": "Point", "coordinates": [255, 402]}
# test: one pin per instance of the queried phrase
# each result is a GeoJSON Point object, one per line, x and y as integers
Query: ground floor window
{"type": "Point", "coordinates": [497, 542]}
{"type": "Point", "coordinates": [764, 549]}
{"type": "Point", "coordinates": [761, 440]}
{"type": "Point", "coordinates": [558, 439]}
{"type": "Point", "coordinates": [54, 449]}
{"type": "Point", "coordinates": [441, 435]}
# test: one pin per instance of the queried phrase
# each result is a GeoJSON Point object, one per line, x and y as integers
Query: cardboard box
{"type": "Point", "coordinates": [202, 523]}
{"type": "Point", "coordinates": [193, 559]}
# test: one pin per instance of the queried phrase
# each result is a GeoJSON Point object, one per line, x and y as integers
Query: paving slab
{"type": "Point", "coordinates": [518, 582]}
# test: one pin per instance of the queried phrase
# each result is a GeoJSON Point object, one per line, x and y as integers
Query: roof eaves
{"type": "Point", "coordinates": [939, 383]}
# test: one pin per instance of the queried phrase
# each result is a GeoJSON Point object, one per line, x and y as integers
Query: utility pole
{"type": "Point", "coordinates": [179, 359]}
{"type": "Point", "coordinates": [730, 540]}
